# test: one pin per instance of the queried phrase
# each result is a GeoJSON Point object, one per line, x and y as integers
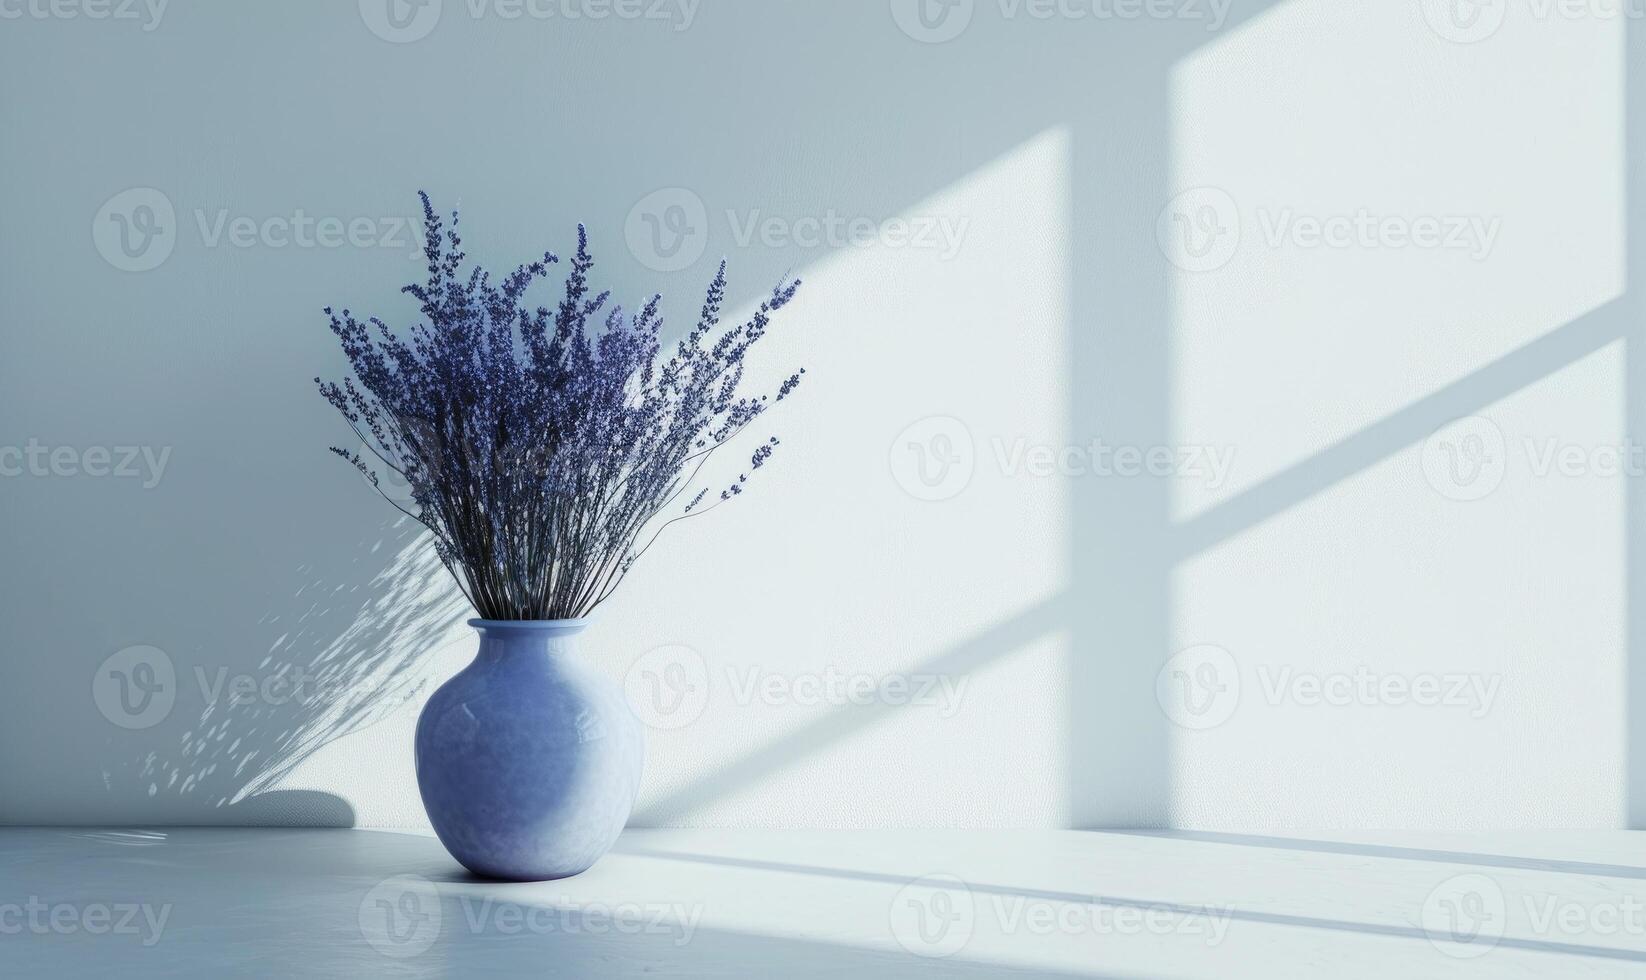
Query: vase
{"type": "Point", "coordinates": [528, 760]}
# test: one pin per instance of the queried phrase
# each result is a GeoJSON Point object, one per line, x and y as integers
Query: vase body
{"type": "Point", "coordinates": [528, 760]}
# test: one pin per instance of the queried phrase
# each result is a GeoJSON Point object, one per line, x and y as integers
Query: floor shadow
{"type": "Point", "coordinates": [1175, 908]}
{"type": "Point", "coordinates": [1400, 853]}
{"type": "Point", "coordinates": [289, 808]}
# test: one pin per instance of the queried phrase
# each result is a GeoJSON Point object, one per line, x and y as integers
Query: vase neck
{"type": "Point", "coordinates": [502, 639]}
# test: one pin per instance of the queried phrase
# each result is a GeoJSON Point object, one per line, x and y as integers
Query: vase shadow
{"type": "Point", "coordinates": [352, 650]}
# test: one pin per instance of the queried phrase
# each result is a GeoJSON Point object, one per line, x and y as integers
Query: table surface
{"type": "Point", "coordinates": [227, 902]}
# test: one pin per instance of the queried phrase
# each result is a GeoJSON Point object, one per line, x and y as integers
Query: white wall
{"type": "Point", "coordinates": [1086, 646]}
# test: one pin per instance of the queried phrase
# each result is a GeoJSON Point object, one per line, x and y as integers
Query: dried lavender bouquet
{"type": "Point", "coordinates": [545, 450]}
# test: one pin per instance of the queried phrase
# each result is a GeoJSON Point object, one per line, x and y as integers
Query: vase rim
{"type": "Point", "coordinates": [531, 625]}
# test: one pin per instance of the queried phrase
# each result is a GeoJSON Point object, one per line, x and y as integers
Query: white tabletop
{"type": "Point", "coordinates": [222, 902]}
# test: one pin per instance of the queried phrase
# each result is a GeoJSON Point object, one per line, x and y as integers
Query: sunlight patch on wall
{"type": "Point", "coordinates": [1446, 625]}
{"type": "Point", "coordinates": [911, 491]}
{"type": "Point", "coordinates": [1369, 210]}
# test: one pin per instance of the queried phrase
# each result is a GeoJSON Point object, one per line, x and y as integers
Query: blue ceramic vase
{"type": "Point", "coordinates": [528, 760]}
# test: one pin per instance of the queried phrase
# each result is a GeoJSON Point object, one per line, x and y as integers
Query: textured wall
{"type": "Point", "coordinates": [1124, 488]}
